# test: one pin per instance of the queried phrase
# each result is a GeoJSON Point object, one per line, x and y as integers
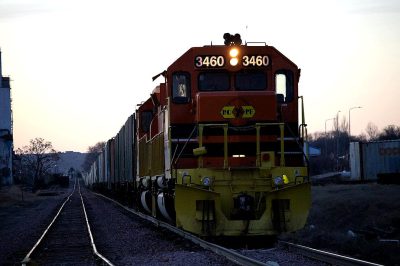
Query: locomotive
{"type": "Point", "coordinates": [217, 149]}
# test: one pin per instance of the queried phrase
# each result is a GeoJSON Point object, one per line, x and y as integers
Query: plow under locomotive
{"type": "Point", "coordinates": [218, 148]}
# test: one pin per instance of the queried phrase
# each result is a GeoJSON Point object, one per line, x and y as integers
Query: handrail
{"type": "Point", "coordinates": [304, 134]}
{"type": "Point", "coordinates": [175, 160]}
{"type": "Point", "coordinates": [258, 127]}
{"type": "Point", "coordinates": [303, 126]}
{"type": "Point", "coordinates": [225, 128]}
{"type": "Point", "coordinates": [282, 141]}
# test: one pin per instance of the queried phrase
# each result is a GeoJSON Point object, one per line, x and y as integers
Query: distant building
{"type": "Point", "coordinates": [314, 151]}
{"type": "Point", "coordinates": [6, 134]}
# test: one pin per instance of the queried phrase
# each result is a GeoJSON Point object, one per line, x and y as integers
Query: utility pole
{"type": "Point", "coordinates": [337, 140]}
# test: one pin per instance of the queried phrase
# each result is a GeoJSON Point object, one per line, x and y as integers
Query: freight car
{"type": "Point", "coordinates": [375, 161]}
{"type": "Point", "coordinates": [217, 149]}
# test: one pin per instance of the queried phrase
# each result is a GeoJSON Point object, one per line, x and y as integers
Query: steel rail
{"type": "Point", "coordinates": [90, 232]}
{"type": "Point", "coordinates": [324, 256]}
{"type": "Point", "coordinates": [27, 258]}
{"type": "Point", "coordinates": [227, 253]}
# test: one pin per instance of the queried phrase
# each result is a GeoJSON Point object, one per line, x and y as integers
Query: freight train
{"type": "Point", "coordinates": [218, 148]}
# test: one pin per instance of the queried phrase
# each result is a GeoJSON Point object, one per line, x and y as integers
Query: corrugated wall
{"type": "Point", "coordinates": [380, 157]}
{"type": "Point", "coordinates": [367, 160]}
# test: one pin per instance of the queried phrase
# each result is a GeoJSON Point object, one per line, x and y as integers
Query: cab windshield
{"type": "Point", "coordinates": [214, 81]}
{"type": "Point", "coordinates": [243, 81]}
{"type": "Point", "coordinates": [250, 81]}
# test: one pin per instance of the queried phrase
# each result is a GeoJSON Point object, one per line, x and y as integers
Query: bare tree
{"type": "Point", "coordinates": [92, 153]}
{"type": "Point", "coordinates": [344, 125]}
{"type": "Point", "coordinates": [390, 132]}
{"type": "Point", "coordinates": [372, 131]}
{"type": "Point", "coordinates": [38, 159]}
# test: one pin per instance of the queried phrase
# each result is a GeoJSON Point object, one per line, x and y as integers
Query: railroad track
{"type": "Point", "coordinates": [68, 239]}
{"type": "Point", "coordinates": [237, 257]}
{"type": "Point", "coordinates": [324, 256]}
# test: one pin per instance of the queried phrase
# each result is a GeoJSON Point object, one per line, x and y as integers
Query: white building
{"type": "Point", "coordinates": [6, 135]}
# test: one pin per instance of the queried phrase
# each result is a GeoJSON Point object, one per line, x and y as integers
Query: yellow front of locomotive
{"type": "Point", "coordinates": [235, 144]}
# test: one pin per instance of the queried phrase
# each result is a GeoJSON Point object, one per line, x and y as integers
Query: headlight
{"type": "Point", "coordinates": [234, 52]}
{"type": "Point", "coordinates": [278, 181]}
{"type": "Point", "coordinates": [234, 61]}
{"type": "Point", "coordinates": [206, 181]}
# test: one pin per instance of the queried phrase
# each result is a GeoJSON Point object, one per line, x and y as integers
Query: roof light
{"type": "Point", "coordinates": [234, 52]}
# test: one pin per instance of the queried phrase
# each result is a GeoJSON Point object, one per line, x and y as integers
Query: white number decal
{"type": "Point", "coordinates": [209, 61]}
{"type": "Point", "coordinates": [245, 60]}
{"type": "Point", "coordinates": [206, 61]}
{"type": "Point", "coordinates": [213, 61]}
{"type": "Point", "coordinates": [199, 61]}
{"type": "Point", "coordinates": [255, 60]}
{"type": "Point", "coordinates": [265, 60]}
{"type": "Point", "coordinates": [220, 61]}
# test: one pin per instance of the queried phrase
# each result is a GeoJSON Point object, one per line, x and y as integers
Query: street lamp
{"type": "Point", "coordinates": [327, 121]}
{"type": "Point", "coordinates": [326, 144]}
{"type": "Point", "coordinates": [337, 140]}
{"type": "Point", "coordinates": [355, 107]}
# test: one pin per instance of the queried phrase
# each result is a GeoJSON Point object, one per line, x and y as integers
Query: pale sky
{"type": "Point", "coordinates": [80, 67]}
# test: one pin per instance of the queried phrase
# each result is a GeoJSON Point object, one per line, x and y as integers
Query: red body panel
{"type": "Point", "coordinates": [236, 107]}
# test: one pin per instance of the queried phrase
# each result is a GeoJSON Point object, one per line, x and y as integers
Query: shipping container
{"type": "Point", "coordinates": [372, 160]}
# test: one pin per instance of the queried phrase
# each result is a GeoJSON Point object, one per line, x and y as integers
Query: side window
{"type": "Point", "coordinates": [181, 87]}
{"type": "Point", "coordinates": [145, 120]}
{"type": "Point", "coordinates": [284, 86]}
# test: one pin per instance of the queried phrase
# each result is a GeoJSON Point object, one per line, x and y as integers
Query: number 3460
{"type": "Point", "coordinates": [255, 60]}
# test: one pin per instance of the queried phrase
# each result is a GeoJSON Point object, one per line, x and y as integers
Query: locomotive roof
{"type": "Point", "coordinates": [271, 50]}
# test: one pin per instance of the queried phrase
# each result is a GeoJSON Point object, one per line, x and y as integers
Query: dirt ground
{"type": "Point", "coordinates": [23, 218]}
{"type": "Point", "coordinates": [14, 195]}
{"type": "Point", "coordinates": [360, 220]}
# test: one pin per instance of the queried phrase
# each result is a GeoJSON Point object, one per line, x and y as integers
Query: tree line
{"type": "Point", "coordinates": [35, 164]}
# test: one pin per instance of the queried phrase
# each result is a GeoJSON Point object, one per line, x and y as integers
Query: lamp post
{"type": "Point", "coordinates": [337, 140]}
{"type": "Point", "coordinates": [355, 107]}
{"type": "Point", "coordinates": [326, 144]}
{"type": "Point", "coordinates": [327, 121]}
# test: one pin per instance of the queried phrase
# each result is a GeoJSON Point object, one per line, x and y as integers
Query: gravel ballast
{"type": "Point", "coordinates": [121, 229]}
{"type": "Point", "coordinates": [126, 239]}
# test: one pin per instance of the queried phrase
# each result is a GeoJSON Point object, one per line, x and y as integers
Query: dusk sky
{"type": "Point", "coordinates": [79, 68]}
